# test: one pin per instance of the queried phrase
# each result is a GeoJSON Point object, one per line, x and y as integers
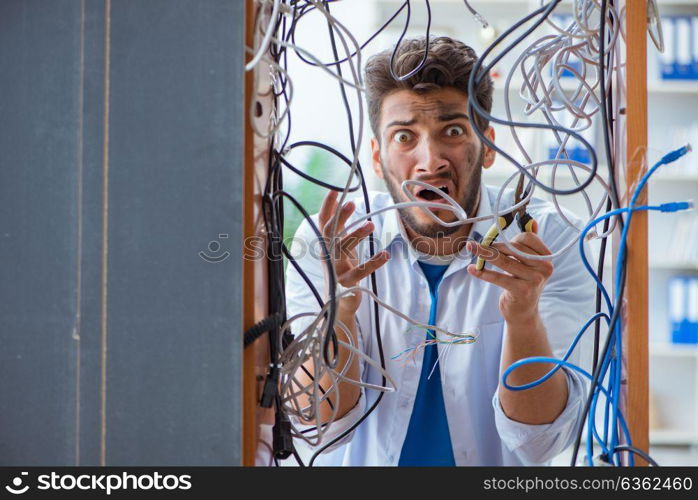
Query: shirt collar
{"type": "Point", "coordinates": [392, 229]}
{"type": "Point", "coordinates": [484, 208]}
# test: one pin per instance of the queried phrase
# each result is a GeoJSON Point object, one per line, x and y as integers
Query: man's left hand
{"type": "Point", "coordinates": [523, 279]}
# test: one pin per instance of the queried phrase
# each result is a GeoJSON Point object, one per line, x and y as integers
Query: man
{"type": "Point", "coordinates": [449, 407]}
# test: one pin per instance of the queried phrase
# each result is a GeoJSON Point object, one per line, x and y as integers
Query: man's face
{"type": "Point", "coordinates": [428, 137]}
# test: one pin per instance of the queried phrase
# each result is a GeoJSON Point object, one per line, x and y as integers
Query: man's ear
{"type": "Point", "coordinates": [376, 158]}
{"type": "Point", "coordinates": [490, 153]}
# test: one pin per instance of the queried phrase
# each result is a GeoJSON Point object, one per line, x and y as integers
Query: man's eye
{"type": "Point", "coordinates": [454, 131]}
{"type": "Point", "coordinates": [402, 137]}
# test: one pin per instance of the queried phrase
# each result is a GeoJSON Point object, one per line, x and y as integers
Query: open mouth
{"type": "Point", "coordinates": [429, 195]}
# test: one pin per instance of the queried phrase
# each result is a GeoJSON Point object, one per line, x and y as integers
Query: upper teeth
{"type": "Point", "coordinates": [423, 190]}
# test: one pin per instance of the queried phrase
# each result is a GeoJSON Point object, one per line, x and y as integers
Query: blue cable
{"type": "Point", "coordinates": [611, 364]}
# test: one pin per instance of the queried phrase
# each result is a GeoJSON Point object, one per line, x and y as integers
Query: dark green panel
{"type": "Point", "coordinates": [174, 117]}
{"type": "Point", "coordinates": [174, 186]}
{"type": "Point", "coordinates": [39, 115]}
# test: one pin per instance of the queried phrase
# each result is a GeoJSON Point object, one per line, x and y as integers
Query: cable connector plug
{"type": "Point", "coordinates": [672, 156]}
{"type": "Point", "coordinates": [270, 387]}
{"type": "Point", "coordinates": [602, 461]}
{"type": "Point", "coordinates": [677, 206]}
{"type": "Point", "coordinates": [591, 235]}
{"type": "Point", "coordinates": [282, 439]}
{"type": "Point", "coordinates": [285, 9]}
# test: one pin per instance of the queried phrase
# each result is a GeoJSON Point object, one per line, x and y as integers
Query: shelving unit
{"type": "Point", "coordinates": [675, 416]}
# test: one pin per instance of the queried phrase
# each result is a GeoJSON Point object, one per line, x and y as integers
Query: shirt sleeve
{"type": "Point", "coordinates": [566, 303]}
{"type": "Point", "coordinates": [300, 298]}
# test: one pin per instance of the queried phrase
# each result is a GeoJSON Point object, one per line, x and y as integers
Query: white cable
{"type": "Point", "coordinates": [267, 34]}
{"type": "Point", "coordinates": [543, 90]}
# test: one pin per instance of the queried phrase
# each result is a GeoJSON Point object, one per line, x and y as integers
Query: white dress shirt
{"type": "Point", "coordinates": [481, 433]}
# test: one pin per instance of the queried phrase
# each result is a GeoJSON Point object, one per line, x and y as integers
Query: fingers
{"type": "Point", "coordinates": [522, 248]}
{"type": "Point", "coordinates": [349, 242]}
{"type": "Point", "coordinates": [357, 273]}
{"type": "Point", "coordinates": [503, 261]}
{"type": "Point", "coordinates": [543, 266]}
{"type": "Point", "coordinates": [328, 212]}
{"type": "Point", "coordinates": [344, 214]}
{"type": "Point", "coordinates": [532, 241]}
{"type": "Point", "coordinates": [507, 260]}
{"type": "Point", "coordinates": [329, 204]}
{"type": "Point", "coordinates": [496, 278]}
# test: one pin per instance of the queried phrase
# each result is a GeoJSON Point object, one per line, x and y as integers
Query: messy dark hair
{"type": "Point", "coordinates": [448, 64]}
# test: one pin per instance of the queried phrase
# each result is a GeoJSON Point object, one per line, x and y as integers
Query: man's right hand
{"type": "Point", "coordinates": [344, 258]}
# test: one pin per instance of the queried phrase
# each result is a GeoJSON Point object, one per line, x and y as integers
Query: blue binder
{"type": "Point", "coordinates": [692, 305]}
{"type": "Point", "coordinates": [683, 62]}
{"type": "Point", "coordinates": [683, 309]}
{"type": "Point", "coordinates": [668, 57]}
{"type": "Point", "coordinates": [694, 47]}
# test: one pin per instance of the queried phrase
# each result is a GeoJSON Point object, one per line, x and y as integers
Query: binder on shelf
{"type": "Point", "coordinates": [574, 148]}
{"type": "Point", "coordinates": [683, 309]}
{"type": "Point", "coordinates": [679, 61]}
{"type": "Point", "coordinates": [693, 310]}
{"type": "Point", "coordinates": [694, 46]}
{"type": "Point", "coordinates": [668, 56]}
{"type": "Point", "coordinates": [676, 308]}
{"type": "Point", "coordinates": [683, 62]}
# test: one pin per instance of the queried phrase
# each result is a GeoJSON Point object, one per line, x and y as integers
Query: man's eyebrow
{"type": "Point", "coordinates": [401, 123]}
{"type": "Point", "coordinates": [453, 116]}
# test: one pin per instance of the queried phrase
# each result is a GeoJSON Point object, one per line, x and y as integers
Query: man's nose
{"type": "Point", "coordinates": [431, 159]}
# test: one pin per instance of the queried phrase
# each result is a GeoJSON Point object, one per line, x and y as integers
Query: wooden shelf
{"type": "Point", "coordinates": [674, 266]}
{"type": "Point", "coordinates": [658, 265]}
{"type": "Point", "coordinates": [672, 177]}
{"type": "Point", "coordinates": [665, 349]}
{"type": "Point", "coordinates": [673, 87]}
{"type": "Point", "coordinates": [673, 437]}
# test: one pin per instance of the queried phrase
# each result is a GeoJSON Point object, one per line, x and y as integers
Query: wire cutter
{"type": "Point", "coordinates": [523, 219]}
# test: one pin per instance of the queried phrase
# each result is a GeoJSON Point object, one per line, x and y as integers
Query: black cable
{"type": "Point", "coordinates": [274, 192]}
{"type": "Point", "coordinates": [606, 103]}
{"type": "Point", "coordinates": [421, 63]}
{"type": "Point", "coordinates": [479, 73]}
{"type": "Point", "coordinates": [261, 327]}
{"type": "Point", "coordinates": [604, 111]}
{"type": "Point", "coordinates": [361, 47]}
{"type": "Point", "coordinates": [298, 458]}
{"type": "Point", "coordinates": [638, 452]}
{"type": "Point", "coordinates": [597, 372]}
{"type": "Point", "coordinates": [331, 336]}
{"type": "Point", "coordinates": [274, 179]}
{"type": "Point", "coordinates": [598, 303]}
{"type": "Point", "coordinates": [623, 259]}
{"type": "Point", "coordinates": [374, 288]}
{"type": "Point", "coordinates": [273, 220]}
{"type": "Point", "coordinates": [312, 179]}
